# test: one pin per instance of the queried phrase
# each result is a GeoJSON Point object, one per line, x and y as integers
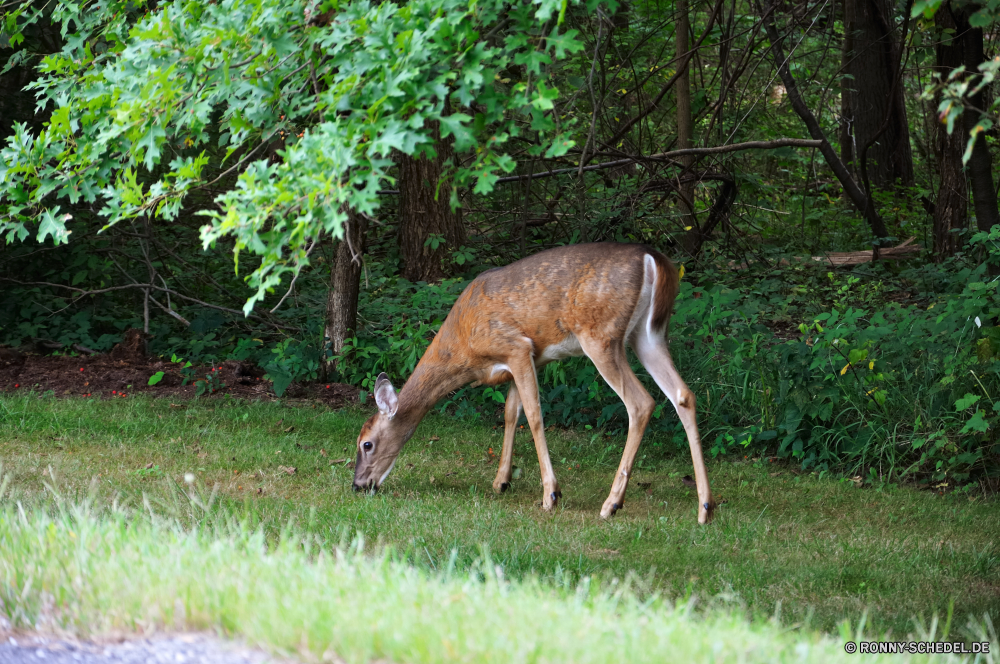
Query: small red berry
{"type": "Point", "coordinates": [114, 391]}
{"type": "Point", "coordinates": [327, 387]}
{"type": "Point", "coordinates": [17, 385]}
{"type": "Point", "coordinates": [81, 368]}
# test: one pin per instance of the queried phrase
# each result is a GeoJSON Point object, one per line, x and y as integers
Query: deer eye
{"type": "Point", "coordinates": [367, 445]}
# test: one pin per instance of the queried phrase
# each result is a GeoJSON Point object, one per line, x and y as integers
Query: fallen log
{"type": "Point", "coordinates": [847, 258]}
{"type": "Point", "coordinates": [837, 259]}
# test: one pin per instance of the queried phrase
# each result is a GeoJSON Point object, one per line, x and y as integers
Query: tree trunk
{"type": "Point", "coordinates": [691, 239]}
{"type": "Point", "coordinates": [425, 215]}
{"type": "Point", "coordinates": [952, 204]}
{"type": "Point", "coordinates": [871, 51]}
{"type": "Point", "coordinates": [345, 282]}
{"type": "Point", "coordinates": [984, 196]}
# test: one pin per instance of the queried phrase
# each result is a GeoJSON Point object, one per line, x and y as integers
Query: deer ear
{"type": "Point", "coordinates": [385, 396]}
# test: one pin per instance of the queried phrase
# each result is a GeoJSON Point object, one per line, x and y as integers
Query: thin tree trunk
{"type": "Point", "coordinates": [847, 147]}
{"type": "Point", "coordinates": [425, 211]}
{"type": "Point", "coordinates": [869, 96]}
{"type": "Point", "coordinates": [345, 284]}
{"type": "Point", "coordinates": [952, 205]}
{"type": "Point", "coordinates": [682, 89]}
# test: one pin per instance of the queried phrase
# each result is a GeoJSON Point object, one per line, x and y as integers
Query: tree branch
{"type": "Point", "coordinates": [669, 156]}
{"type": "Point", "coordinates": [294, 279]}
{"type": "Point", "coordinates": [83, 293]}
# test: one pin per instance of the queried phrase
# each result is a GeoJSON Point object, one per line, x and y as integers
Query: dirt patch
{"type": "Point", "coordinates": [108, 376]}
{"type": "Point", "coordinates": [132, 348]}
{"type": "Point", "coordinates": [11, 362]}
{"type": "Point", "coordinates": [783, 330]}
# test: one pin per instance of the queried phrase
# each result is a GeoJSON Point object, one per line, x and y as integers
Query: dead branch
{"type": "Point", "coordinates": [669, 156]}
{"type": "Point", "coordinates": [81, 293]}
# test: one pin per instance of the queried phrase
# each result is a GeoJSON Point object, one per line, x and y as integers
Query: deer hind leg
{"type": "Point", "coordinates": [655, 356]}
{"type": "Point", "coordinates": [610, 359]}
{"type": "Point", "coordinates": [512, 411]}
{"type": "Point", "coordinates": [526, 382]}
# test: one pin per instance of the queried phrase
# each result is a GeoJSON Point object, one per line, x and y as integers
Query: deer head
{"type": "Point", "coordinates": [381, 439]}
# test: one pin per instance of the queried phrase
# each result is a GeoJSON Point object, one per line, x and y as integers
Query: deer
{"type": "Point", "coordinates": [582, 299]}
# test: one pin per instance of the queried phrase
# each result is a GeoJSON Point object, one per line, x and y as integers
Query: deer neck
{"type": "Point", "coordinates": [432, 380]}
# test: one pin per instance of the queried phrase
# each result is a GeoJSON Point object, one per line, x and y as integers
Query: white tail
{"type": "Point", "coordinates": [588, 299]}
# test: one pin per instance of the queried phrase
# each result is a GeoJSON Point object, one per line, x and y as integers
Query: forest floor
{"type": "Point", "coordinates": [118, 376]}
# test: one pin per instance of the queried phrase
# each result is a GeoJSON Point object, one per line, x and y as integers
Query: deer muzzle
{"type": "Point", "coordinates": [367, 485]}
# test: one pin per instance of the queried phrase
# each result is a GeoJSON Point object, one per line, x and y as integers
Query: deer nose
{"type": "Point", "coordinates": [366, 486]}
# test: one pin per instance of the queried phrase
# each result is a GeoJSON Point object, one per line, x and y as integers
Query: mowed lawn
{"type": "Point", "coordinates": [815, 551]}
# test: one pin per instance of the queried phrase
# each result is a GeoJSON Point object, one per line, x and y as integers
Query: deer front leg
{"type": "Point", "coordinates": [512, 411]}
{"type": "Point", "coordinates": [527, 386]}
{"type": "Point", "coordinates": [640, 407]}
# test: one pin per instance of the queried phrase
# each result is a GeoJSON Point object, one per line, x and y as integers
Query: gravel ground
{"type": "Point", "coordinates": [173, 649]}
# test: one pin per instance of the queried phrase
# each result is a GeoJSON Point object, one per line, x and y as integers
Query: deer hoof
{"type": "Point", "coordinates": [705, 515]}
{"type": "Point", "coordinates": [504, 486]}
{"type": "Point", "coordinates": [610, 509]}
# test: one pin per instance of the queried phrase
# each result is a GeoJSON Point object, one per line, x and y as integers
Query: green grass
{"type": "Point", "coordinates": [814, 550]}
{"type": "Point", "coordinates": [67, 567]}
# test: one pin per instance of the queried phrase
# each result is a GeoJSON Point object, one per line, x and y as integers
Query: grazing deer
{"type": "Point", "coordinates": [585, 299]}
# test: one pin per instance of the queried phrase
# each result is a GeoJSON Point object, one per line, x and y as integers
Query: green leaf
{"type": "Point", "coordinates": [53, 224]}
{"type": "Point", "coordinates": [280, 381]}
{"type": "Point", "coordinates": [926, 7]}
{"type": "Point", "coordinates": [149, 145]}
{"type": "Point", "coordinates": [857, 355]}
{"type": "Point", "coordinates": [456, 125]}
{"type": "Point", "coordinates": [155, 378]}
{"type": "Point", "coordinates": [976, 423]}
{"type": "Point", "coordinates": [966, 401]}
{"type": "Point", "coordinates": [982, 18]}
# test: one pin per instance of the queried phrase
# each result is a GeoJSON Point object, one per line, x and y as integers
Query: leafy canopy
{"type": "Point", "coordinates": [150, 105]}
